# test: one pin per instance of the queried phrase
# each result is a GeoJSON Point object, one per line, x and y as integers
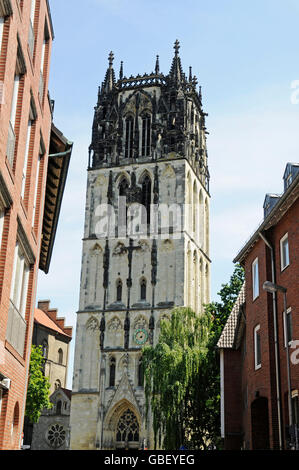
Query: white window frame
{"type": "Point", "coordinates": [2, 216]}
{"type": "Point", "coordinates": [255, 273]}
{"type": "Point", "coordinates": [1, 31]}
{"type": "Point", "coordinates": [38, 166]}
{"type": "Point", "coordinates": [25, 167]}
{"type": "Point", "coordinates": [256, 333]}
{"type": "Point", "coordinates": [284, 263]}
{"type": "Point", "coordinates": [20, 280]}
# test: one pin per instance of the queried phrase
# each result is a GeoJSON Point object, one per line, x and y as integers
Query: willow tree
{"type": "Point", "coordinates": [38, 386]}
{"type": "Point", "coordinates": [171, 369]}
{"type": "Point", "coordinates": [182, 373]}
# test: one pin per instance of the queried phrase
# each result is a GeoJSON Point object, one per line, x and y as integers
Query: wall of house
{"type": "Point", "coordinates": [19, 215]}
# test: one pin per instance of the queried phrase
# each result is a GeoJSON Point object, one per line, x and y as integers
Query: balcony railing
{"type": "Point", "coordinates": [11, 142]}
{"type": "Point", "coordinates": [16, 329]}
{"type": "Point", "coordinates": [31, 39]}
{"type": "Point", "coordinates": [41, 87]}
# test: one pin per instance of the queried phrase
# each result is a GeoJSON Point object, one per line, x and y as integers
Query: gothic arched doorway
{"type": "Point", "coordinates": [260, 424]}
{"type": "Point", "coordinates": [127, 432]}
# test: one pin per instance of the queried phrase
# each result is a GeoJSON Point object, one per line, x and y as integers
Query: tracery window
{"type": "Point", "coordinates": [128, 428]}
{"type": "Point", "coordinates": [112, 372]}
{"type": "Point", "coordinates": [129, 137]}
{"type": "Point", "coordinates": [56, 435]}
{"type": "Point", "coordinates": [146, 135]}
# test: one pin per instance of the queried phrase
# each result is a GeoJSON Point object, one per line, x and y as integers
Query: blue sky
{"type": "Point", "coordinates": [245, 54]}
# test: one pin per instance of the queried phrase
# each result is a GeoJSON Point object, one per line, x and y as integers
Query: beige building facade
{"type": "Point", "coordinates": [145, 247]}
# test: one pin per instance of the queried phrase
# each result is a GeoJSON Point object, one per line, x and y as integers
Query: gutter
{"type": "Point", "coordinates": [276, 345]}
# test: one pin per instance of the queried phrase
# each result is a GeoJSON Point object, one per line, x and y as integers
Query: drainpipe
{"type": "Point", "coordinates": [280, 424]}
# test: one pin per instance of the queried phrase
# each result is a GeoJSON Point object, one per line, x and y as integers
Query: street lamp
{"type": "Point", "coordinates": [272, 288]}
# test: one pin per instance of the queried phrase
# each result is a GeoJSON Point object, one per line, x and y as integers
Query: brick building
{"type": "Point", "coordinates": [34, 159]}
{"type": "Point", "coordinates": [259, 391]}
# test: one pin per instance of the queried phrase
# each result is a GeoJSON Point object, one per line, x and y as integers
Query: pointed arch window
{"type": "Point", "coordinates": [122, 207]}
{"type": "Point", "coordinates": [119, 290]}
{"type": "Point", "coordinates": [112, 372]}
{"type": "Point", "coordinates": [140, 373]}
{"type": "Point", "coordinates": [129, 137]}
{"type": "Point", "coordinates": [143, 289]}
{"type": "Point", "coordinates": [59, 407]}
{"type": "Point", "coordinates": [147, 198]}
{"type": "Point", "coordinates": [146, 135]}
{"type": "Point", "coordinates": [60, 356]}
{"type": "Point", "coordinates": [128, 428]}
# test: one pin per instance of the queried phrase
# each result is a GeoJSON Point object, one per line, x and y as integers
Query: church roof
{"type": "Point", "coordinates": [43, 319]}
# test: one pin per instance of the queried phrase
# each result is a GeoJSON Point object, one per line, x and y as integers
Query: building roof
{"type": "Point", "coordinates": [58, 164]}
{"type": "Point", "coordinates": [43, 319]}
{"type": "Point", "coordinates": [283, 205]}
{"type": "Point", "coordinates": [229, 334]}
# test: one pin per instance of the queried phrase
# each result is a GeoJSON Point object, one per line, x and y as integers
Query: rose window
{"type": "Point", "coordinates": [56, 435]}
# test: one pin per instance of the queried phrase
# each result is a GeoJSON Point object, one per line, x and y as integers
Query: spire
{"type": "Point", "coordinates": [110, 75]}
{"type": "Point", "coordinates": [176, 72]}
{"type": "Point", "coordinates": [121, 72]}
{"type": "Point", "coordinates": [157, 70]}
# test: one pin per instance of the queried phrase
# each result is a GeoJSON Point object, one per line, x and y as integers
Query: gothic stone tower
{"type": "Point", "coordinates": [148, 147]}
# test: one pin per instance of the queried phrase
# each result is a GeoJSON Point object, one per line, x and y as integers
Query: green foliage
{"type": "Point", "coordinates": [182, 376]}
{"type": "Point", "coordinates": [38, 386]}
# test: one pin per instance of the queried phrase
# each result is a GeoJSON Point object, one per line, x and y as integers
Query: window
{"type": "Point", "coordinates": [128, 428]}
{"type": "Point", "coordinates": [19, 286]}
{"type": "Point", "coordinates": [11, 141]}
{"type": "Point", "coordinates": [1, 224]}
{"type": "Point", "coordinates": [255, 279]}
{"type": "Point", "coordinates": [140, 373]}
{"type": "Point", "coordinates": [36, 189]}
{"type": "Point", "coordinates": [119, 289]}
{"type": "Point", "coordinates": [284, 252]}
{"type": "Point", "coordinates": [112, 373]}
{"type": "Point", "coordinates": [31, 37]}
{"type": "Point", "coordinates": [1, 31]}
{"type": "Point", "coordinates": [129, 137]}
{"type": "Point", "coordinates": [59, 407]}
{"type": "Point", "coordinates": [257, 348]}
{"type": "Point", "coordinates": [60, 356]}
{"type": "Point", "coordinates": [0, 400]}
{"type": "Point", "coordinates": [147, 198]}
{"type": "Point", "coordinates": [288, 327]}
{"type": "Point", "coordinates": [143, 289]}
{"type": "Point", "coordinates": [45, 349]}
{"type": "Point", "coordinates": [26, 158]}
{"type": "Point", "coordinates": [122, 208]}
{"type": "Point", "coordinates": [146, 135]}
{"type": "Point", "coordinates": [295, 406]}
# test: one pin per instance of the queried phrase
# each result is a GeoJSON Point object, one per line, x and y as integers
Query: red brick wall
{"type": "Point", "coordinates": [262, 382]}
{"type": "Point", "coordinates": [11, 364]}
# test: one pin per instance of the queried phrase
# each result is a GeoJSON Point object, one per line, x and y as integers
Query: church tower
{"type": "Point", "coordinates": [148, 151]}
